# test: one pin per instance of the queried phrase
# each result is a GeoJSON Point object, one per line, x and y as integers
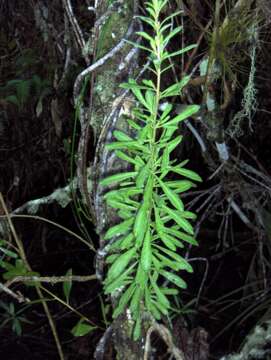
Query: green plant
{"type": "Point", "coordinates": [11, 263]}
{"type": "Point", "coordinates": [13, 316]}
{"type": "Point", "coordinates": [143, 247]}
{"type": "Point", "coordinates": [18, 91]}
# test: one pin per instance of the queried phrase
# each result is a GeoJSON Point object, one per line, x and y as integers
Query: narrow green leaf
{"type": "Point", "coordinates": [150, 305]}
{"type": "Point", "coordinates": [175, 89]}
{"type": "Point", "coordinates": [167, 67]}
{"type": "Point", "coordinates": [137, 92]}
{"type": "Point", "coordinates": [188, 215]}
{"type": "Point", "coordinates": [180, 185]}
{"type": "Point", "coordinates": [171, 16]}
{"type": "Point", "coordinates": [146, 253]}
{"type": "Point", "coordinates": [187, 173]}
{"type": "Point", "coordinates": [159, 223]}
{"type": "Point", "coordinates": [167, 262]}
{"type": "Point", "coordinates": [168, 291]}
{"type": "Point", "coordinates": [145, 133]}
{"type": "Point", "coordinates": [117, 178]}
{"type": "Point", "coordinates": [140, 225]}
{"type": "Point", "coordinates": [120, 205]}
{"type": "Point", "coordinates": [187, 238]}
{"type": "Point", "coordinates": [124, 214]}
{"type": "Point", "coordinates": [127, 145]}
{"type": "Point", "coordinates": [135, 302]}
{"type": "Point", "coordinates": [158, 265]}
{"type": "Point", "coordinates": [8, 253]}
{"type": "Point", "coordinates": [150, 100]}
{"type": "Point", "coordinates": [114, 195]}
{"type": "Point", "coordinates": [166, 240]}
{"type": "Point", "coordinates": [119, 229]}
{"type": "Point", "coordinates": [127, 242]}
{"type": "Point", "coordinates": [169, 131]}
{"type": "Point", "coordinates": [130, 191]}
{"type": "Point", "coordinates": [166, 110]}
{"type": "Point", "coordinates": [174, 143]}
{"type": "Point", "coordinates": [142, 176]}
{"type": "Point", "coordinates": [124, 299]}
{"type": "Point", "coordinates": [82, 328]}
{"type": "Point", "coordinates": [147, 37]}
{"type": "Point", "coordinates": [172, 196]}
{"type": "Point", "coordinates": [175, 279]}
{"type": "Point", "coordinates": [170, 253]}
{"type": "Point", "coordinates": [124, 243]}
{"type": "Point", "coordinates": [149, 83]}
{"type": "Point", "coordinates": [121, 136]}
{"type": "Point", "coordinates": [120, 264]}
{"type": "Point", "coordinates": [111, 258]}
{"type": "Point", "coordinates": [137, 45]}
{"type": "Point", "coordinates": [183, 223]}
{"type": "Point", "coordinates": [179, 52]}
{"type": "Point", "coordinates": [163, 29]}
{"type": "Point", "coordinates": [141, 278]}
{"type": "Point", "coordinates": [115, 245]}
{"type": "Point", "coordinates": [189, 111]}
{"type": "Point", "coordinates": [151, 11]}
{"type": "Point", "coordinates": [173, 33]}
{"type": "Point", "coordinates": [167, 237]}
{"type": "Point", "coordinates": [165, 159]}
{"type": "Point", "coordinates": [160, 296]}
{"type": "Point", "coordinates": [182, 263]}
{"type": "Point", "coordinates": [161, 307]}
{"type": "Point", "coordinates": [67, 286]}
{"type": "Point", "coordinates": [148, 192]}
{"type": "Point", "coordinates": [133, 124]}
{"type": "Point", "coordinates": [137, 329]}
{"type": "Point", "coordinates": [120, 282]}
{"type": "Point", "coordinates": [147, 20]}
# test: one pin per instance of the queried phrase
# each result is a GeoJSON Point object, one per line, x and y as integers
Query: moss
{"type": "Point", "coordinates": [257, 345]}
{"type": "Point", "coordinates": [107, 81]}
{"type": "Point", "coordinates": [114, 28]}
{"type": "Point", "coordinates": [249, 101]}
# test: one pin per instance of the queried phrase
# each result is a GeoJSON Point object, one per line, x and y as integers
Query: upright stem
{"type": "Point", "coordinates": [154, 116]}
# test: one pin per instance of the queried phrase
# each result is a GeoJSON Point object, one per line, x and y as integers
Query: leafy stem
{"type": "Point", "coordinates": [154, 225]}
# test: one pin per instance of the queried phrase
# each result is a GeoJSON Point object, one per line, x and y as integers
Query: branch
{"type": "Point", "coordinates": [52, 279]}
{"type": "Point", "coordinates": [62, 196]}
{"type": "Point", "coordinates": [166, 336]}
{"type": "Point", "coordinates": [76, 28]}
{"type": "Point", "coordinates": [80, 78]}
{"type": "Point", "coordinates": [101, 347]}
{"type": "Point", "coordinates": [18, 296]}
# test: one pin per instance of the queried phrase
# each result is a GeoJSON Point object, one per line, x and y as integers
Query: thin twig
{"type": "Point", "coordinates": [76, 28]}
{"type": "Point", "coordinates": [28, 267]}
{"type": "Point", "coordinates": [35, 217]}
{"type": "Point", "coordinates": [52, 279]}
{"type": "Point", "coordinates": [242, 216]}
{"type": "Point", "coordinates": [18, 296]}
{"type": "Point", "coordinates": [80, 78]}
{"type": "Point", "coordinates": [197, 136]}
{"type": "Point", "coordinates": [204, 275]}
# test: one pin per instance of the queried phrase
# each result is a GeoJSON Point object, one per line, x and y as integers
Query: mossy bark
{"type": "Point", "coordinates": [106, 95]}
{"type": "Point", "coordinates": [108, 77]}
